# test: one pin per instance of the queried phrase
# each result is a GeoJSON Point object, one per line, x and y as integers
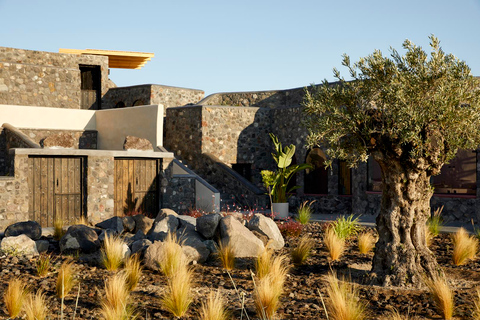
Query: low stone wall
{"type": "Point", "coordinates": [86, 139]}
{"type": "Point", "coordinates": [37, 78]}
{"type": "Point", "coordinates": [150, 94]}
{"type": "Point", "coordinates": [262, 99]}
{"type": "Point", "coordinates": [180, 194]}
{"type": "Point", "coordinates": [14, 194]}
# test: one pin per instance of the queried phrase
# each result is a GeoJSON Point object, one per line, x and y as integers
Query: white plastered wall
{"type": "Point", "coordinates": [112, 125]}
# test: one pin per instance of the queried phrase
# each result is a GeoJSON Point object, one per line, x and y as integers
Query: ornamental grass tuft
{"type": "Point", "coordinates": [366, 242]}
{"type": "Point", "coordinates": [343, 301]}
{"type": "Point", "coordinates": [65, 279]}
{"type": "Point", "coordinates": [226, 255]}
{"type": "Point", "coordinates": [14, 297]}
{"type": "Point", "coordinates": [36, 306]}
{"type": "Point", "coordinates": [334, 244]}
{"type": "Point", "coordinates": [442, 296]}
{"type": "Point", "coordinates": [346, 227]}
{"type": "Point", "coordinates": [302, 250]}
{"type": "Point", "coordinates": [113, 255]}
{"type": "Point", "coordinates": [214, 308]}
{"type": "Point", "coordinates": [177, 296]}
{"type": "Point", "coordinates": [464, 247]}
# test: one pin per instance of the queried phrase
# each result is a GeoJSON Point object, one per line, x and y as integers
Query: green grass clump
{"type": "Point", "coordinates": [43, 265]}
{"type": "Point", "coordinates": [435, 222]}
{"type": "Point", "coordinates": [304, 212]}
{"type": "Point", "coordinates": [346, 227]}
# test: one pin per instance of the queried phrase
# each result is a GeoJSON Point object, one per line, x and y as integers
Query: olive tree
{"type": "Point", "coordinates": [411, 113]}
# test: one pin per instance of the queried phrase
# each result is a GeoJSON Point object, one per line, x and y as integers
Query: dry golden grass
{"type": "Point", "coordinates": [214, 308]}
{"type": "Point", "coordinates": [43, 265]}
{"type": "Point", "coordinates": [476, 309]}
{"type": "Point", "coordinates": [173, 258]}
{"type": "Point", "coordinates": [464, 247]}
{"type": "Point", "coordinates": [442, 296]}
{"type": "Point", "coordinates": [366, 242]}
{"type": "Point", "coordinates": [428, 237]}
{"type": "Point", "coordinates": [334, 244]}
{"type": "Point", "coordinates": [269, 288]}
{"type": "Point", "coordinates": [58, 231]}
{"type": "Point", "coordinates": [226, 255]}
{"type": "Point", "coordinates": [343, 302]}
{"type": "Point", "coordinates": [115, 303]}
{"type": "Point", "coordinates": [133, 271]}
{"type": "Point", "coordinates": [82, 220]}
{"type": "Point", "coordinates": [65, 279]}
{"type": "Point", "coordinates": [36, 306]}
{"type": "Point", "coordinates": [113, 253]}
{"type": "Point", "coordinates": [394, 314]}
{"type": "Point", "coordinates": [301, 252]}
{"type": "Point", "coordinates": [263, 262]}
{"type": "Point", "coordinates": [177, 297]}
{"type": "Point", "coordinates": [14, 297]}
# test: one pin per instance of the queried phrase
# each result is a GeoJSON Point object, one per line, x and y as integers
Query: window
{"type": "Point", "coordinates": [138, 102]}
{"type": "Point", "coordinates": [344, 178]}
{"type": "Point", "coordinates": [459, 176]}
{"type": "Point", "coordinates": [120, 105]}
{"type": "Point", "coordinates": [316, 179]}
{"type": "Point", "coordinates": [374, 175]}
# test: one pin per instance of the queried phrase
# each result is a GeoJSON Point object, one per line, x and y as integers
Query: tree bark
{"type": "Point", "coordinates": [402, 257]}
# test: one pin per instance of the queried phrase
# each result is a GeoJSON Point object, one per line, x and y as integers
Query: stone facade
{"type": "Point", "coordinates": [14, 194]}
{"type": "Point", "coordinates": [3, 153]}
{"type": "Point", "coordinates": [84, 139]}
{"type": "Point", "coordinates": [100, 193]}
{"type": "Point", "coordinates": [37, 78]}
{"type": "Point", "coordinates": [180, 194]}
{"type": "Point", "coordinates": [150, 94]}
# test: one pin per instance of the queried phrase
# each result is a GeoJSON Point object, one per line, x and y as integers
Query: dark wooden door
{"type": "Point", "coordinates": [91, 87]}
{"type": "Point", "coordinates": [55, 189]}
{"type": "Point", "coordinates": [136, 186]}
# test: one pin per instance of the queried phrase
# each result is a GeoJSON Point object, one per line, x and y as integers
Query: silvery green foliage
{"type": "Point", "coordinates": [417, 108]}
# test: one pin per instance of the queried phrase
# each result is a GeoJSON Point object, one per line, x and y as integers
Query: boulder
{"type": "Point", "coordinates": [128, 224]}
{"type": "Point", "coordinates": [32, 229]}
{"type": "Point", "coordinates": [154, 253]}
{"type": "Point", "coordinates": [80, 237]}
{"type": "Point", "coordinates": [192, 245]}
{"type": "Point", "coordinates": [164, 212]}
{"type": "Point", "coordinates": [207, 224]}
{"type": "Point", "coordinates": [142, 223]}
{"type": "Point", "coordinates": [139, 236]}
{"type": "Point", "coordinates": [187, 222]}
{"type": "Point", "coordinates": [42, 245]}
{"type": "Point", "coordinates": [21, 244]}
{"type": "Point", "coordinates": [137, 144]}
{"type": "Point", "coordinates": [268, 228]}
{"type": "Point", "coordinates": [245, 243]}
{"type": "Point", "coordinates": [211, 245]}
{"type": "Point", "coordinates": [59, 141]}
{"type": "Point", "coordinates": [126, 251]}
{"type": "Point", "coordinates": [114, 223]}
{"type": "Point", "coordinates": [107, 232]}
{"type": "Point", "coordinates": [140, 246]}
{"type": "Point", "coordinates": [162, 227]}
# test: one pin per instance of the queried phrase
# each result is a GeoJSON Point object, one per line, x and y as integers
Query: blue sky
{"type": "Point", "coordinates": [221, 46]}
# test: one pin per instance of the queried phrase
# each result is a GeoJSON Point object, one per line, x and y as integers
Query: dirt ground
{"type": "Point", "coordinates": [300, 301]}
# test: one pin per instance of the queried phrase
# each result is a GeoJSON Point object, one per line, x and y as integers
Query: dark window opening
{"type": "Point", "coordinates": [459, 176]}
{"type": "Point", "coordinates": [316, 179]}
{"type": "Point", "coordinates": [120, 105]}
{"type": "Point", "coordinates": [244, 169]}
{"type": "Point", "coordinates": [344, 178]}
{"type": "Point", "coordinates": [91, 87]}
{"type": "Point", "coordinates": [138, 102]}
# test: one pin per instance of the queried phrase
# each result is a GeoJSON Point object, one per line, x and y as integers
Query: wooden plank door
{"type": "Point", "coordinates": [136, 186]}
{"type": "Point", "coordinates": [55, 189]}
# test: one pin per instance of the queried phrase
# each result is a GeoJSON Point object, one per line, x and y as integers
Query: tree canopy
{"type": "Point", "coordinates": [421, 108]}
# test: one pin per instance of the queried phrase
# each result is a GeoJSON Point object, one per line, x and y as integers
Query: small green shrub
{"type": "Point", "coordinates": [304, 212]}
{"type": "Point", "coordinates": [435, 222]}
{"type": "Point", "coordinates": [346, 227]}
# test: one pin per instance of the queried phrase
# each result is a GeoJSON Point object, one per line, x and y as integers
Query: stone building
{"type": "Point", "coordinates": [223, 139]}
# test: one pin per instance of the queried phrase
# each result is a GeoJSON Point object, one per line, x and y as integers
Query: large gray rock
{"type": "Point", "coordinates": [42, 245]}
{"type": "Point", "coordinates": [192, 245]}
{"type": "Point", "coordinates": [80, 237]}
{"type": "Point", "coordinates": [114, 223]}
{"type": "Point", "coordinates": [128, 224]}
{"type": "Point", "coordinates": [140, 246]}
{"type": "Point", "coordinates": [162, 227]}
{"type": "Point", "coordinates": [21, 244]}
{"type": "Point", "coordinates": [107, 232]}
{"type": "Point", "coordinates": [155, 253]}
{"type": "Point", "coordinates": [164, 212]}
{"type": "Point", "coordinates": [142, 223]}
{"type": "Point", "coordinates": [187, 222]}
{"type": "Point", "coordinates": [243, 241]}
{"type": "Point", "coordinates": [207, 224]}
{"type": "Point", "coordinates": [268, 228]}
{"type": "Point", "coordinates": [30, 228]}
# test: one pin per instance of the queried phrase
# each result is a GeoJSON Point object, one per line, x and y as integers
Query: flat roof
{"type": "Point", "coordinates": [116, 59]}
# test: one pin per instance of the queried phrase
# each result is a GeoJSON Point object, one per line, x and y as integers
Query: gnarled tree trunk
{"type": "Point", "coordinates": [402, 257]}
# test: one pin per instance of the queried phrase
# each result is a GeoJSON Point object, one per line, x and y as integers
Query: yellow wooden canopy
{"type": "Point", "coordinates": [117, 59]}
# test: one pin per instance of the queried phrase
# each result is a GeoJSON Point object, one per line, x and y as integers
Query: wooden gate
{"type": "Point", "coordinates": [55, 189]}
{"type": "Point", "coordinates": [136, 186]}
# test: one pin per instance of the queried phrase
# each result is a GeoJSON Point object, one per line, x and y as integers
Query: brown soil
{"type": "Point", "coordinates": [300, 300]}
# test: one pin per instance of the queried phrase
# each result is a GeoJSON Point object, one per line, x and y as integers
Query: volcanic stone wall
{"type": "Point", "coordinates": [37, 78]}
{"type": "Point", "coordinates": [84, 139]}
{"type": "Point", "coordinates": [149, 94]}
